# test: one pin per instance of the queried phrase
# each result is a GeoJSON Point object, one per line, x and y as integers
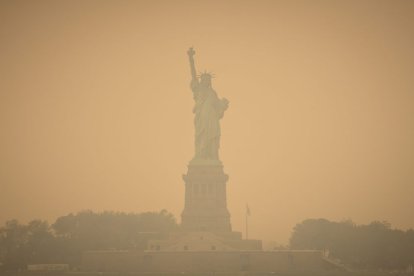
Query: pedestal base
{"type": "Point", "coordinates": [205, 198]}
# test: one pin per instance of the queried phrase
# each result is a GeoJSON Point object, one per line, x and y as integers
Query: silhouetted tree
{"type": "Point", "coordinates": [22, 244]}
{"type": "Point", "coordinates": [70, 235]}
{"type": "Point", "coordinates": [372, 246]}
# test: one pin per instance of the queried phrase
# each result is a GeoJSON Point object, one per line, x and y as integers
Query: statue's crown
{"type": "Point", "coordinates": [206, 75]}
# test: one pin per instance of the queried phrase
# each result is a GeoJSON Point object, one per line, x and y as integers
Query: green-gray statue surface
{"type": "Point", "coordinates": [208, 110]}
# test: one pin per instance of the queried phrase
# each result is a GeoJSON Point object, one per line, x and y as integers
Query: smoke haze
{"type": "Point", "coordinates": [96, 108]}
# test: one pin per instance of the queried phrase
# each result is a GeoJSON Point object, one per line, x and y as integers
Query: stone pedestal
{"type": "Point", "coordinates": [205, 199]}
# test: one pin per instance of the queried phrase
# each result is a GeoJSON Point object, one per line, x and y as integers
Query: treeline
{"type": "Point", "coordinates": [66, 239]}
{"type": "Point", "coordinates": [373, 246]}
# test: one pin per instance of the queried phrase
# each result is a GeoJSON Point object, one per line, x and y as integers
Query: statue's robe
{"type": "Point", "coordinates": [208, 110]}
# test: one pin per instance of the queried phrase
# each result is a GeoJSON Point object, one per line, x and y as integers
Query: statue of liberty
{"type": "Point", "coordinates": [208, 110]}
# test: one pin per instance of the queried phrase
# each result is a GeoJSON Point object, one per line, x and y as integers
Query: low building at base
{"type": "Point", "coordinates": [284, 261]}
{"type": "Point", "coordinates": [204, 241]}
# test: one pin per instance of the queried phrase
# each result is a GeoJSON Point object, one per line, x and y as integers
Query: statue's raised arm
{"type": "Point", "coordinates": [191, 54]}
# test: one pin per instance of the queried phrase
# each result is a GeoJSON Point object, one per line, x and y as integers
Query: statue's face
{"type": "Point", "coordinates": [205, 81]}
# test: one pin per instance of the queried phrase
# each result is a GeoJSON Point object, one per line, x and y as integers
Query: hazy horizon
{"type": "Point", "coordinates": [96, 108]}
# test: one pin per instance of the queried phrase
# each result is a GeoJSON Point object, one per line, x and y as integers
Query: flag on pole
{"type": "Point", "coordinates": [247, 210]}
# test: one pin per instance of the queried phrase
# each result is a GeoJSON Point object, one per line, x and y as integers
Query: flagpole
{"type": "Point", "coordinates": [247, 224]}
{"type": "Point", "coordinates": [247, 229]}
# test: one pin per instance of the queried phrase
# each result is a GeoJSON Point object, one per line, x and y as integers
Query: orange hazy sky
{"type": "Point", "coordinates": [96, 109]}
